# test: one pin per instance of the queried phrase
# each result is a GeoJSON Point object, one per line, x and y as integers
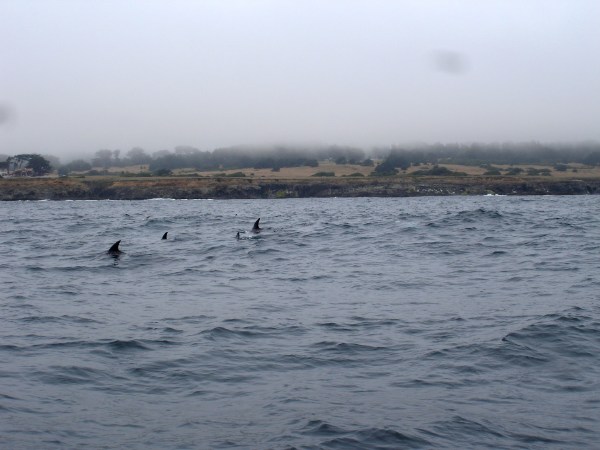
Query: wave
{"type": "Point", "coordinates": [365, 438]}
{"type": "Point", "coordinates": [74, 375]}
{"type": "Point", "coordinates": [119, 345]}
{"type": "Point", "coordinates": [468, 217]}
{"type": "Point", "coordinates": [571, 334]}
{"type": "Point", "coordinates": [484, 433]}
{"type": "Point", "coordinates": [346, 348]}
{"type": "Point", "coordinates": [360, 323]}
{"type": "Point", "coordinates": [57, 319]}
{"type": "Point", "coordinates": [553, 341]}
{"type": "Point", "coordinates": [100, 346]}
{"type": "Point", "coordinates": [250, 332]}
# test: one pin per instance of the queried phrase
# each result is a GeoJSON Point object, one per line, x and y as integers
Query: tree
{"type": "Point", "coordinates": [53, 160]}
{"type": "Point", "coordinates": [138, 155]}
{"type": "Point", "coordinates": [79, 165]}
{"type": "Point", "coordinates": [185, 150]}
{"type": "Point", "coordinates": [367, 163]}
{"type": "Point", "coordinates": [160, 153]}
{"type": "Point", "coordinates": [396, 158]}
{"type": "Point", "coordinates": [37, 163]}
{"type": "Point", "coordinates": [103, 158]}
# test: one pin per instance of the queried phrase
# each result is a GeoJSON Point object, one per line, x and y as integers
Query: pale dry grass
{"type": "Point", "coordinates": [582, 170]}
{"type": "Point", "coordinates": [291, 173]}
{"type": "Point", "coordinates": [298, 172]}
{"type": "Point", "coordinates": [137, 168]}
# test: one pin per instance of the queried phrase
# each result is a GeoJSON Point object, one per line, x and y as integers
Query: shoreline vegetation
{"type": "Point", "coordinates": [225, 186]}
{"type": "Point", "coordinates": [287, 172]}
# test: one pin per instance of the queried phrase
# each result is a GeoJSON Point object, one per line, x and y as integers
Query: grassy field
{"type": "Point", "coordinates": [348, 169]}
{"type": "Point", "coordinates": [574, 171]}
{"type": "Point", "coordinates": [293, 183]}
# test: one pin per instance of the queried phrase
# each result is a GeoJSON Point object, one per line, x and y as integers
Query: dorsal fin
{"type": "Point", "coordinates": [115, 248]}
{"type": "Point", "coordinates": [237, 235]}
{"type": "Point", "coordinates": [256, 227]}
{"type": "Point", "coordinates": [165, 235]}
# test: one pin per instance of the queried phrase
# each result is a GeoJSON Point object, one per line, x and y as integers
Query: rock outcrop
{"type": "Point", "coordinates": [245, 188]}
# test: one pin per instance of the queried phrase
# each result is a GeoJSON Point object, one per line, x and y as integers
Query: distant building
{"type": "Point", "coordinates": [27, 172]}
{"type": "Point", "coordinates": [18, 168]}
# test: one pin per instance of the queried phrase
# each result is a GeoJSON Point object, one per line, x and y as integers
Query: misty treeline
{"type": "Point", "coordinates": [487, 154]}
{"type": "Point", "coordinates": [392, 159]}
{"type": "Point", "coordinates": [220, 159]}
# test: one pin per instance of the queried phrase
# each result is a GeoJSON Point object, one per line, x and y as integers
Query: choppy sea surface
{"type": "Point", "coordinates": [442, 322]}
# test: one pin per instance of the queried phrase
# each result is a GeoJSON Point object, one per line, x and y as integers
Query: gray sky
{"type": "Point", "coordinates": [77, 76]}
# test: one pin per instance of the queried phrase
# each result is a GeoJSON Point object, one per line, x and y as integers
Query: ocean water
{"type": "Point", "coordinates": [442, 322]}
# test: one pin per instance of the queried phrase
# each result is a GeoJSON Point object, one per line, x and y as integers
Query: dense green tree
{"type": "Point", "coordinates": [79, 165]}
{"type": "Point", "coordinates": [139, 156]}
{"type": "Point", "coordinates": [116, 157]}
{"type": "Point", "coordinates": [103, 158]}
{"type": "Point", "coordinates": [33, 161]}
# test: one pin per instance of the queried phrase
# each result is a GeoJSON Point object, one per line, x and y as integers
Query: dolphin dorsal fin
{"type": "Point", "coordinates": [165, 235]}
{"type": "Point", "coordinates": [115, 247]}
{"type": "Point", "coordinates": [256, 227]}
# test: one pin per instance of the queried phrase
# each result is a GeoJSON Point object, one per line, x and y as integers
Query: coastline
{"type": "Point", "coordinates": [118, 188]}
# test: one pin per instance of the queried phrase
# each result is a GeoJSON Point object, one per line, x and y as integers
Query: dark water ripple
{"type": "Point", "coordinates": [346, 324]}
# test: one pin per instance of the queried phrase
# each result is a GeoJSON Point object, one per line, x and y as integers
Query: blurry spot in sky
{"type": "Point", "coordinates": [5, 114]}
{"type": "Point", "coordinates": [450, 62]}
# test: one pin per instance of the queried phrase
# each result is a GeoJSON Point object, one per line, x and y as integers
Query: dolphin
{"type": "Point", "coordinates": [256, 228]}
{"type": "Point", "coordinates": [165, 235]}
{"type": "Point", "coordinates": [114, 250]}
{"type": "Point", "coordinates": [237, 236]}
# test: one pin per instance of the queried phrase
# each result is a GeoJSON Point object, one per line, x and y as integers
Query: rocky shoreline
{"type": "Point", "coordinates": [115, 188]}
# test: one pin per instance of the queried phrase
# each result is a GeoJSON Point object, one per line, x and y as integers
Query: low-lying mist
{"type": "Point", "coordinates": [386, 160]}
